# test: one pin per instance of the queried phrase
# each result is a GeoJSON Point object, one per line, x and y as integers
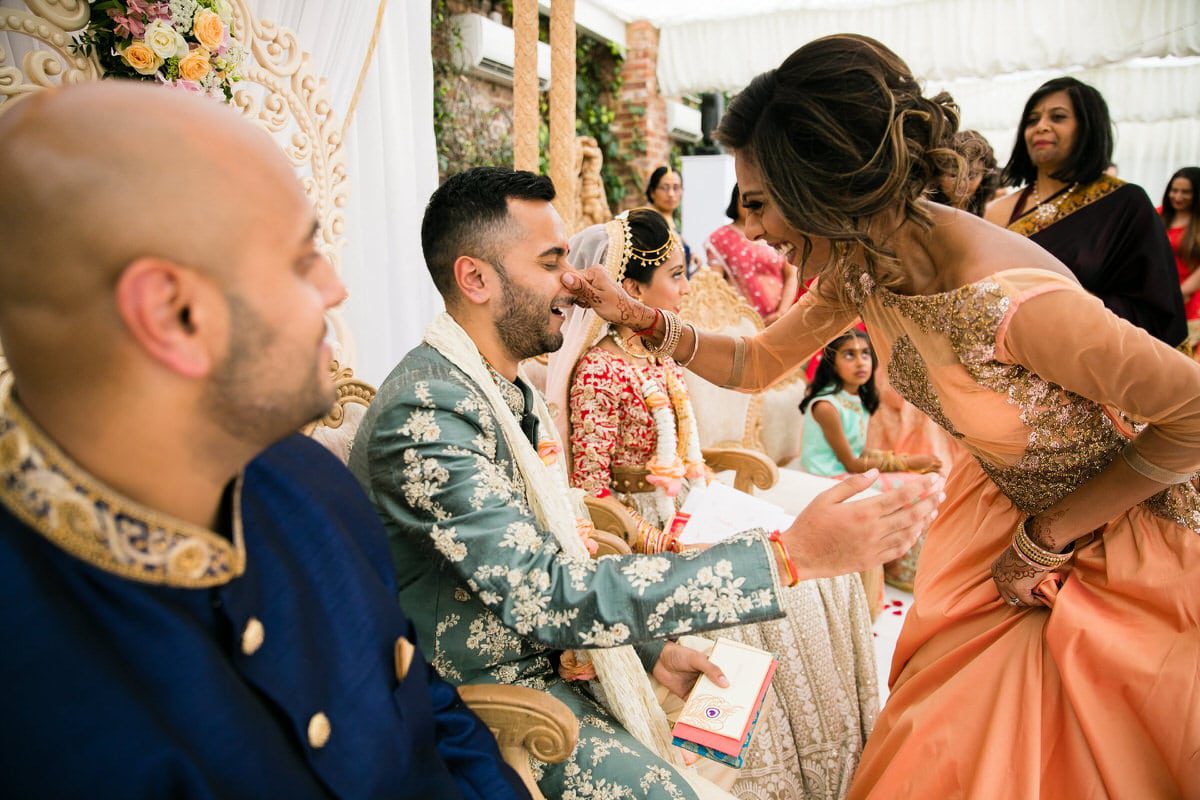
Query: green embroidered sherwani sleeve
{"type": "Point", "coordinates": [439, 470]}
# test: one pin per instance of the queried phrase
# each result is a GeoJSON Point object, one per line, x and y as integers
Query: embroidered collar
{"type": "Point", "coordinates": [52, 494]}
{"type": "Point", "coordinates": [514, 398]}
{"type": "Point", "coordinates": [1077, 197]}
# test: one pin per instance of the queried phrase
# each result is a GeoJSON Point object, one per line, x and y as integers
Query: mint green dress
{"type": "Point", "coordinates": [816, 456]}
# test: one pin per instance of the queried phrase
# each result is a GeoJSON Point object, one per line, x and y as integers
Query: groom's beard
{"type": "Point", "coordinates": [522, 324]}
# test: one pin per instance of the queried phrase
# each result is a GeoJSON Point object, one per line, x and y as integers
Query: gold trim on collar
{"type": "Point", "coordinates": [46, 490]}
{"type": "Point", "coordinates": [1074, 200]}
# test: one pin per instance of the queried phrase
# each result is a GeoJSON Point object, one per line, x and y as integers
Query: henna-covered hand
{"type": "Point", "coordinates": [1041, 530]}
{"type": "Point", "coordinates": [1016, 579]}
{"type": "Point", "coordinates": [593, 288]}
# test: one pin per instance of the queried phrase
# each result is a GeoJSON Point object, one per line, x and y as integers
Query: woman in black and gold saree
{"type": "Point", "coordinates": [1102, 228]}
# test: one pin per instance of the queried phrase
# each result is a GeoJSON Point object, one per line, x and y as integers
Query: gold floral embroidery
{"type": "Point", "coordinates": [52, 494]}
{"type": "Point", "coordinates": [907, 374]}
{"type": "Point", "coordinates": [1028, 224]}
{"type": "Point", "coordinates": [1070, 439]}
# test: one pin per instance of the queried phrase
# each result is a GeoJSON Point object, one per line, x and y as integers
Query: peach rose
{"type": "Point", "coordinates": [196, 65]}
{"type": "Point", "coordinates": [207, 28]}
{"type": "Point", "coordinates": [143, 60]}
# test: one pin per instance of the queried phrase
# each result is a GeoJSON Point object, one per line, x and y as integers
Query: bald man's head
{"type": "Point", "coordinates": [131, 216]}
{"type": "Point", "coordinates": [96, 176]}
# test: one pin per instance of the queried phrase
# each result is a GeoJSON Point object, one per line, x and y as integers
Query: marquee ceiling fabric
{"type": "Point", "coordinates": [1143, 55]}
{"type": "Point", "coordinates": [940, 39]}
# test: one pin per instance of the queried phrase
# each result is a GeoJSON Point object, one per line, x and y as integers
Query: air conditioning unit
{"type": "Point", "coordinates": [683, 122]}
{"type": "Point", "coordinates": [486, 49]}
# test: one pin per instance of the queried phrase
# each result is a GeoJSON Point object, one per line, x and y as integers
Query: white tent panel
{"type": "Point", "coordinates": [940, 39]}
{"type": "Point", "coordinates": [1150, 90]}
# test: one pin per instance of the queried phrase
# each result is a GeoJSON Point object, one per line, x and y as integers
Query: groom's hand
{"type": "Point", "coordinates": [836, 536]}
{"type": "Point", "coordinates": [679, 668]}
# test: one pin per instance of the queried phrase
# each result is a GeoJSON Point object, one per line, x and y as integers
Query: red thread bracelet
{"type": "Point", "coordinates": [653, 325]}
{"type": "Point", "coordinates": [789, 565]}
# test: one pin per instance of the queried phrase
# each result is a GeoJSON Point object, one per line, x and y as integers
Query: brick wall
{"type": "Point", "coordinates": [640, 124]}
{"type": "Point", "coordinates": [641, 111]}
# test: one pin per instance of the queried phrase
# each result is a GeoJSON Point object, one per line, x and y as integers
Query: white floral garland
{"type": "Point", "coordinates": [667, 471]}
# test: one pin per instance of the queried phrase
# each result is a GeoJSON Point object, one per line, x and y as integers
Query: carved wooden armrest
{"type": "Point", "coordinates": [610, 544]}
{"type": "Point", "coordinates": [526, 723]}
{"type": "Point", "coordinates": [609, 516]}
{"type": "Point", "coordinates": [750, 467]}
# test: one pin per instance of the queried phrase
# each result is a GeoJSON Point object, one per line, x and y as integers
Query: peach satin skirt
{"type": "Point", "coordinates": [1096, 696]}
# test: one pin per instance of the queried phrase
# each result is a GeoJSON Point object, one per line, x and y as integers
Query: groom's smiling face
{"type": "Point", "coordinates": [529, 313]}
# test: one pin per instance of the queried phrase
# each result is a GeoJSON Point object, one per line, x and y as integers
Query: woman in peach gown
{"type": "Point", "coordinates": [1053, 645]}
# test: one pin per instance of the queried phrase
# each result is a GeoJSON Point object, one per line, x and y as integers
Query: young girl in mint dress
{"type": "Point", "coordinates": [837, 406]}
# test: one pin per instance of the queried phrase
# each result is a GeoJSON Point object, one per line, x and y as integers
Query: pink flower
{"type": "Point", "coordinates": [191, 87]}
{"type": "Point", "coordinates": [127, 27]}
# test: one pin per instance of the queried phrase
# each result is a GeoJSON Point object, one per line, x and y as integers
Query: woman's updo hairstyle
{"type": "Point", "coordinates": [648, 235]}
{"type": "Point", "coordinates": [841, 132]}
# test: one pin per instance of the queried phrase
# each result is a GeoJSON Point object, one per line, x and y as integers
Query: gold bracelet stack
{"type": "Point", "coordinates": [695, 346]}
{"type": "Point", "coordinates": [1034, 554]}
{"type": "Point", "coordinates": [670, 337]}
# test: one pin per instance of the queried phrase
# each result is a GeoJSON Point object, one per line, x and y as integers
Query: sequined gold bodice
{"type": "Point", "coordinates": [1037, 441]}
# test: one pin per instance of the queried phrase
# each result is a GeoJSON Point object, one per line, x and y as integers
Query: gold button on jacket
{"type": "Point", "coordinates": [404, 657]}
{"type": "Point", "coordinates": [252, 636]}
{"type": "Point", "coordinates": [319, 730]}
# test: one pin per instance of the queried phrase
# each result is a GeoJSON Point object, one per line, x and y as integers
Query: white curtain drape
{"type": "Point", "coordinates": [390, 157]}
{"type": "Point", "coordinates": [940, 39]}
{"type": "Point", "coordinates": [391, 163]}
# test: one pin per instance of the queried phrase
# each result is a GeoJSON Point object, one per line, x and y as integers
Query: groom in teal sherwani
{"type": "Point", "coordinates": [458, 456]}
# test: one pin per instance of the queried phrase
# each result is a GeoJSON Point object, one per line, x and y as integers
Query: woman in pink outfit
{"type": "Point", "coordinates": [758, 271]}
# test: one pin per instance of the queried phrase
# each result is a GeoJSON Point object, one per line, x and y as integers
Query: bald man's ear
{"type": "Point", "coordinates": [160, 304]}
{"type": "Point", "coordinates": [474, 279]}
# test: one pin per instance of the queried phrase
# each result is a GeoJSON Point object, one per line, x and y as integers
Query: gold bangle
{"type": "Point", "coordinates": [1032, 551]}
{"type": "Point", "coordinates": [739, 363]}
{"type": "Point", "coordinates": [695, 346]}
{"type": "Point", "coordinates": [670, 338]}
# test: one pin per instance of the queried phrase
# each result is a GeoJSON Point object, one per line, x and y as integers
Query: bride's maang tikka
{"type": "Point", "coordinates": [650, 258]}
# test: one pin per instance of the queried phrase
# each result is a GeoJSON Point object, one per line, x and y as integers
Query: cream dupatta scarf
{"type": "Point", "coordinates": [620, 672]}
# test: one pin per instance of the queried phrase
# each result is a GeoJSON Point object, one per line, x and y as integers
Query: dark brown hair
{"type": "Point", "coordinates": [648, 232]}
{"type": "Point", "coordinates": [1092, 152]}
{"type": "Point", "coordinates": [1189, 246]}
{"type": "Point", "coordinates": [841, 132]}
{"type": "Point", "coordinates": [972, 146]}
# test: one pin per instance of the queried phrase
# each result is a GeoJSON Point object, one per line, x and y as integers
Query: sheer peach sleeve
{"type": "Point", "coordinates": [1069, 338]}
{"type": "Point", "coordinates": [754, 363]}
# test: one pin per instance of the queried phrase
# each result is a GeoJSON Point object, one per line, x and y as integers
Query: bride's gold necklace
{"type": "Point", "coordinates": [629, 351]}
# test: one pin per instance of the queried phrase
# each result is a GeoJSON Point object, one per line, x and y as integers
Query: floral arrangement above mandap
{"type": "Point", "coordinates": [185, 44]}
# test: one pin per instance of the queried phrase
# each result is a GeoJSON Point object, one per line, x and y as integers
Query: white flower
{"type": "Point", "coordinates": [521, 536]}
{"type": "Point", "coordinates": [645, 571]}
{"type": "Point", "coordinates": [422, 426]}
{"type": "Point", "coordinates": [603, 636]}
{"type": "Point", "coordinates": [165, 41]}
{"type": "Point", "coordinates": [446, 542]}
{"type": "Point", "coordinates": [182, 12]}
{"type": "Point", "coordinates": [224, 10]}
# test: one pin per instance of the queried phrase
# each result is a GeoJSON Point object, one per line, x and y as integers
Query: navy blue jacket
{"type": "Point", "coordinates": [118, 688]}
